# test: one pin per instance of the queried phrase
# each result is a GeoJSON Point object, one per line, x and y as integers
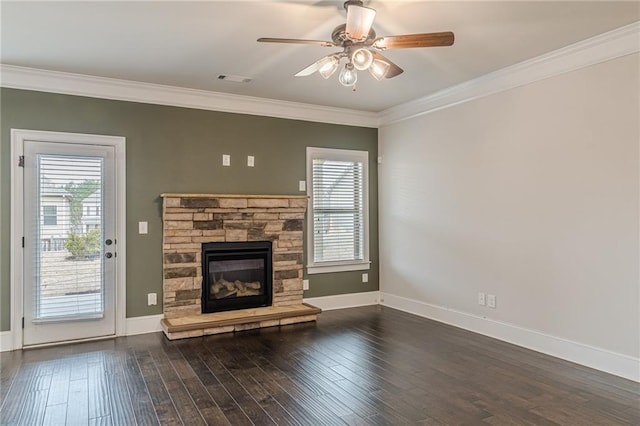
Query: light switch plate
{"type": "Point", "coordinates": [143, 228]}
{"type": "Point", "coordinates": [302, 185]}
{"type": "Point", "coordinates": [226, 160]}
{"type": "Point", "coordinates": [305, 284]}
{"type": "Point", "coordinates": [250, 161]}
{"type": "Point", "coordinates": [365, 278]}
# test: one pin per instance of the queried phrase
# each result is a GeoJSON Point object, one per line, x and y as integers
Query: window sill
{"type": "Point", "coordinates": [339, 267]}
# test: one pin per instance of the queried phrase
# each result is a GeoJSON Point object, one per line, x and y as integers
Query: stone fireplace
{"type": "Point", "coordinates": [192, 223]}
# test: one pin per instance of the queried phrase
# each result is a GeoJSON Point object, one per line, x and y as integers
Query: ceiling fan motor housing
{"type": "Point", "coordinates": [340, 38]}
{"type": "Point", "coordinates": [353, 3]}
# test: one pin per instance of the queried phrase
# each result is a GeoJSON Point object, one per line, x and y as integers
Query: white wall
{"type": "Point", "coordinates": [531, 194]}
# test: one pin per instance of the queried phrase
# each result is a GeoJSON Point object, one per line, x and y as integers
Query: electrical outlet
{"type": "Point", "coordinates": [305, 284]}
{"type": "Point", "coordinates": [226, 160]}
{"type": "Point", "coordinates": [491, 301]}
{"type": "Point", "coordinates": [481, 299]}
{"type": "Point", "coordinates": [152, 299]}
{"type": "Point", "coordinates": [250, 161]}
{"type": "Point", "coordinates": [365, 278]}
{"type": "Point", "coordinates": [302, 185]}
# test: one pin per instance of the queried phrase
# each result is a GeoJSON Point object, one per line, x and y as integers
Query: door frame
{"type": "Point", "coordinates": [18, 137]}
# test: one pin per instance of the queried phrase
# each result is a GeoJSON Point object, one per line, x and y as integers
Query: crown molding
{"type": "Point", "coordinates": [604, 47]}
{"type": "Point", "coordinates": [16, 77]}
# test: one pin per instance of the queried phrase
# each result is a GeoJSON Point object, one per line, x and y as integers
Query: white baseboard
{"type": "Point", "coordinates": [151, 323]}
{"type": "Point", "coordinates": [142, 325]}
{"type": "Point", "coordinates": [340, 301]}
{"type": "Point", "coordinates": [135, 325]}
{"type": "Point", "coordinates": [6, 341]}
{"type": "Point", "coordinates": [600, 359]}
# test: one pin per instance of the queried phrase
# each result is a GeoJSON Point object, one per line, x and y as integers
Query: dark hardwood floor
{"type": "Point", "coordinates": [361, 366]}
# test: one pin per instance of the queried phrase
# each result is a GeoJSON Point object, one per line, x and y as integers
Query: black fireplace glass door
{"type": "Point", "coordinates": [236, 278]}
{"type": "Point", "coordinates": [236, 275]}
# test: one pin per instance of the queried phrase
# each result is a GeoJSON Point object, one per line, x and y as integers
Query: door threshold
{"type": "Point", "coordinates": [68, 342]}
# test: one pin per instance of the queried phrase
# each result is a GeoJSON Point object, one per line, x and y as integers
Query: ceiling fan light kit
{"type": "Point", "coordinates": [379, 69]}
{"type": "Point", "coordinates": [362, 59]}
{"type": "Point", "coordinates": [361, 47]}
{"type": "Point", "coordinates": [359, 20]}
{"type": "Point", "coordinates": [328, 65]}
{"type": "Point", "coordinates": [348, 75]}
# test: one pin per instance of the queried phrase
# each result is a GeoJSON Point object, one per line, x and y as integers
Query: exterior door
{"type": "Point", "coordinates": [69, 242]}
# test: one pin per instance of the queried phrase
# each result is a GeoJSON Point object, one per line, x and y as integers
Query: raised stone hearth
{"type": "Point", "coordinates": [239, 320]}
{"type": "Point", "coordinates": [192, 219]}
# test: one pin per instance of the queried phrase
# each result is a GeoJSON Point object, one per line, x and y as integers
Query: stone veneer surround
{"type": "Point", "coordinates": [192, 219]}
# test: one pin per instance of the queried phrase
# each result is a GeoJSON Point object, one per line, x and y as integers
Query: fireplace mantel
{"type": "Point", "coordinates": [189, 220]}
{"type": "Point", "coordinates": [195, 195]}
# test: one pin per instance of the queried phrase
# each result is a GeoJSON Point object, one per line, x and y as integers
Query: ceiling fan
{"type": "Point", "coordinates": [361, 47]}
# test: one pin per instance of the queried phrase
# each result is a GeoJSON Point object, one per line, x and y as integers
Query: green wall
{"type": "Point", "coordinates": [172, 149]}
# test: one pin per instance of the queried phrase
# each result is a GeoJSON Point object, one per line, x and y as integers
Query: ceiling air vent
{"type": "Point", "coordinates": [234, 78]}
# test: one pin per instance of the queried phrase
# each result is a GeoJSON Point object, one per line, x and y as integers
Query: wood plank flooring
{"type": "Point", "coordinates": [360, 366]}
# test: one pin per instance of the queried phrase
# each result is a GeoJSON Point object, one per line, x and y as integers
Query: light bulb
{"type": "Point", "coordinates": [328, 66]}
{"type": "Point", "coordinates": [348, 75]}
{"type": "Point", "coordinates": [379, 69]}
{"type": "Point", "coordinates": [362, 59]}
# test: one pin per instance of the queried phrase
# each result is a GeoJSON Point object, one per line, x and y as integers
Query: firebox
{"type": "Point", "coordinates": [236, 275]}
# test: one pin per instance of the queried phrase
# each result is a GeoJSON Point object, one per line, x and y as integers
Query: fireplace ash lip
{"type": "Point", "coordinates": [234, 253]}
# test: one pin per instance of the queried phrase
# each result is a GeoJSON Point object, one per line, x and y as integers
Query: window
{"type": "Point", "coordinates": [339, 214]}
{"type": "Point", "coordinates": [50, 215]}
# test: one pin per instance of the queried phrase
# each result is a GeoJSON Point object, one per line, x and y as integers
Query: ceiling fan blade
{"type": "Point", "coordinates": [414, 40]}
{"type": "Point", "coordinates": [309, 70]}
{"type": "Point", "coordinates": [394, 70]}
{"type": "Point", "coordinates": [359, 22]}
{"type": "Point", "coordinates": [296, 41]}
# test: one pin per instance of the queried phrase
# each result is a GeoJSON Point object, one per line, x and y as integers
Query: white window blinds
{"type": "Point", "coordinates": [69, 231]}
{"type": "Point", "coordinates": [338, 207]}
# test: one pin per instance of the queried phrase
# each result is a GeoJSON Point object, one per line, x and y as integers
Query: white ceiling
{"type": "Point", "coordinates": [187, 44]}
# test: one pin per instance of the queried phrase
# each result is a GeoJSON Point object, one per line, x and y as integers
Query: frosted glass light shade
{"type": "Point", "coordinates": [362, 59]}
{"type": "Point", "coordinates": [348, 75]}
{"type": "Point", "coordinates": [379, 69]}
{"type": "Point", "coordinates": [328, 66]}
{"type": "Point", "coordinates": [359, 21]}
